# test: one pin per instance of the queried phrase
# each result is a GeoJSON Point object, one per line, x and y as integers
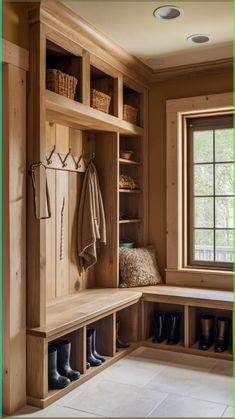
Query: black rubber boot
{"type": "Point", "coordinates": [207, 332]}
{"type": "Point", "coordinates": [222, 334]}
{"type": "Point", "coordinates": [63, 360]}
{"type": "Point", "coordinates": [88, 366]}
{"type": "Point", "coordinates": [160, 330]}
{"type": "Point", "coordinates": [94, 362]}
{"type": "Point", "coordinates": [119, 342]}
{"type": "Point", "coordinates": [174, 330]}
{"type": "Point", "coordinates": [55, 380]}
{"type": "Point", "coordinates": [95, 353]}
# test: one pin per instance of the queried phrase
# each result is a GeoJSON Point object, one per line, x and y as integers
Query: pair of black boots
{"type": "Point", "coordinates": [211, 334]}
{"type": "Point", "coordinates": [93, 358]}
{"type": "Point", "coordinates": [167, 327]}
{"type": "Point", "coordinates": [60, 374]}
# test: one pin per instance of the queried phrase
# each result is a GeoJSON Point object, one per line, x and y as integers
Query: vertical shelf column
{"type": "Point", "coordinates": [37, 367]}
{"type": "Point", "coordinates": [36, 230]}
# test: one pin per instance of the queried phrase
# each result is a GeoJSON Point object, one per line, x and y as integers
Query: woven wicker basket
{"type": "Point", "coordinates": [130, 114]}
{"type": "Point", "coordinates": [100, 100]}
{"type": "Point", "coordinates": [61, 83]}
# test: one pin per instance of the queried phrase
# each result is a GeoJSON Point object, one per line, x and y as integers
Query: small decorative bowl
{"type": "Point", "coordinates": [127, 244]}
{"type": "Point", "coordinates": [126, 154]}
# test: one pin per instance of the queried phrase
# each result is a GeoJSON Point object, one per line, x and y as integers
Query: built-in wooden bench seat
{"type": "Point", "coordinates": [85, 307]}
{"type": "Point", "coordinates": [189, 296]}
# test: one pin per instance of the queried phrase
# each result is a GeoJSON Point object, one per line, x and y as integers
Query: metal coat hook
{"type": "Point", "coordinates": [48, 159]}
{"type": "Point", "coordinates": [64, 164]}
{"type": "Point", "coordinates": [77, 163]}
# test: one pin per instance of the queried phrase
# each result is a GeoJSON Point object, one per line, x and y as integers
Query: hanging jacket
{"type": "Point", "coordinates": [91, 219]}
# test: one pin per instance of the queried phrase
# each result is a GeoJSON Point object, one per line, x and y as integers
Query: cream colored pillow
{"type": "Point", "coordinates": [138, 267]}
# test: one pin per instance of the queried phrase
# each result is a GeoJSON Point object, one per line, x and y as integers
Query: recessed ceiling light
{"type": "Point", "coordinates": [199, 38]}
{"type": "Point", "coordinates": [168, 12]}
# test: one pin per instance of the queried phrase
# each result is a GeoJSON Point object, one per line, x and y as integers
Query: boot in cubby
{"type": "Point", "coordinates": [94, 351]}
{"type": "Point", "coordinates": [174, 330]}
{"type": "Point", "coordinates": [222, 334]}
{"type": "Point", "coordinates": [63, 360]}
{"type": "Point", "coordinates": [55, 380]}
{"type": "Point", "coordinates": [207, 332]}
{"type": "Point", "coordinates": [160, 327]}
{"type": "Point", "coordinates": [91, 359]}
{"type": "Point", "coordinates": [119, 342]}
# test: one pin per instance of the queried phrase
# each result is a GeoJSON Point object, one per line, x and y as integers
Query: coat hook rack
{"type": "Point", "coordinates": [48, 159]}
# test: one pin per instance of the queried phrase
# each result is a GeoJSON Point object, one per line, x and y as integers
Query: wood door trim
{"type": "Point", "coordinates": [15, 55]}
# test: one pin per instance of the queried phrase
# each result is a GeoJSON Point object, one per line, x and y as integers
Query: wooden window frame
{"type": "Point", "coordinates": [177, 271]}
{"type": "Point", "coordinates": [222, 121]}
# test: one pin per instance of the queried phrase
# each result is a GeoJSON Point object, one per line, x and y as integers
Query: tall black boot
{"type": "Point", "coordinates": [174, 330]}
{"type": "Point", "coordinates": [207, 332]}
{"type": "Point", "coordinates": [119, 342]}
{"type": "Point", "coordinates": [222, 334]}
{"type": "Point", "coordinates": [63, 360]}
{"type": "Point", "coordinates": [94, 362]}
{"type": "Point", "coordinates": [160, 332]}
{"type": "Point", "coordinates": [95, 353]}
{"type": "Point", "coordinates": [55, 380]}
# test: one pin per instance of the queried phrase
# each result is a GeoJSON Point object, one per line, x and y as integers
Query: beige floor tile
{"type": "Point", "coordinates": [214, 387]}
{"type": "Point", "coordinates": [137, 372]}
{"type": "Point", "coordinates": [177, 380]}
{"type": "Point", "coordinates": [180, 406]}
{"type": "Point", "coordinates": [228, 413]}
{"type": "Point", "coordinates": [107, 398]}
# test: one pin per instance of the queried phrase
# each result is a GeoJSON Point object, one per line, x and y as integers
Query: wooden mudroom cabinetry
{"type": "Point", "coordinates": [62, 300]}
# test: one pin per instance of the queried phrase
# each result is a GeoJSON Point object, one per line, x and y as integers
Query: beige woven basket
{"type": "Point", "coordinates": [100, 100]}
{"type": "Point", "coordinates": [61, 83]}
{"type": "Point", "coordinates": [130, 114]}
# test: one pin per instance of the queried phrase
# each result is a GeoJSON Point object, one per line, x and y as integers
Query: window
{"type": "Point", "coordinates": [210, 192]}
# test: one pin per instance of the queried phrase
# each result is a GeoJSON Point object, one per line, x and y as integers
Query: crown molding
{"type": "Point", "coordinates": [190, 70]}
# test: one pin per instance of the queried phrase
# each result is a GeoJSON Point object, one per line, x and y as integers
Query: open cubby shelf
{"type": "Point", "coordinates": [131, 162]}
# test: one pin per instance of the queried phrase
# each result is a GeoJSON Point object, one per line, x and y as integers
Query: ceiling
{"type": "Point", "coordinates": [161, 43]}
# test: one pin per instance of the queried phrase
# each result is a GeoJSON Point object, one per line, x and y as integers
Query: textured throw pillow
{"type": "Point", "coordinates": [138, 267]}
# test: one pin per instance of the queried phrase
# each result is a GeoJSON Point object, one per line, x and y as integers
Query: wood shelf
{"type": "Point", "coordinates": [131, 162]}
{"type": "Point", "coordinates": [129, 190]}
{"type": "Point", "coordinates": [62, 110]}
{"type": "Point", "coordinates": [133, 221]}
{"type": "Point", "coordinates": [54, 395]}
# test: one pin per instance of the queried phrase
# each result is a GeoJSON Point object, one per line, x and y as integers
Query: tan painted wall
{"type": "Point", "coordinates": [15, 23]}
{"type": "Point", "coordinates": [159, 93]}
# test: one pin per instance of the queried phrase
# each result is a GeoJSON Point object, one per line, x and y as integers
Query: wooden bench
{"type": "Point", "coordinates": [101, 308]}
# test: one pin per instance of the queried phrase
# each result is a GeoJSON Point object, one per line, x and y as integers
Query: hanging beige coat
{"type": "Point", "coordinates": [91, 219]}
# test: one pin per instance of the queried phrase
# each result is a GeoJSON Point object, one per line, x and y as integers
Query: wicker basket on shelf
{"type": "Point", "coordinates": [100, 100]}
{"type": "Point", "coordinates": [130, 114]}
{"type": "Point", "coordinates": [61, 83]}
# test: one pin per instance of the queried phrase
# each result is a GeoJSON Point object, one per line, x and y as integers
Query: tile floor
{"type": "Point", "coordinates": [150, 383]}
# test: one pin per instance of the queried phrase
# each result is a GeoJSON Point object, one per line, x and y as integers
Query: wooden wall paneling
{"type": "Point", "coordinates": [14, 238]}
{"type": "Point", "coordinates": [36, 230]}
{"type": "Point", "coordinates": [37, 367]}
{"type": "Point", "coordinates": [106, 271]}
{"type": "Point", "coordinates": [51, 223]}
{"type": "Point", "coordinates": [62, 230]}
